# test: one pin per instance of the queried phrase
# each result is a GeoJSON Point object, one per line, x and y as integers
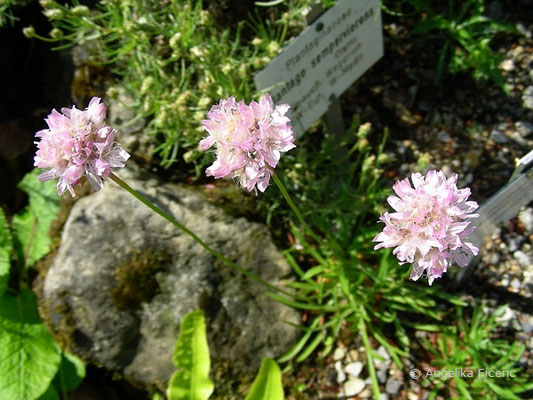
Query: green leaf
{"type": "Point", "coordinates": [50, 394]}
{"type": "Point", "coordinates": [29, 358]}
{"type": "Point", "coordinates": [502, 393]}
{"type": "Point", "coordinates": [267, 384]}
{"type": "Point", "coordinates": [191, 357]}
{"type": "Point", "coordinates": [31, 228]}
{"type": "Point", "coordinates": [6, 246]}
{"type": "Point", "coordinates": [432, 23]}
{"type": "Point", "coordinates": [70, 373]}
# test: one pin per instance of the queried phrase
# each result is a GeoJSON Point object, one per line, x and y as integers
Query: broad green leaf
{"type": "Point", "coordinates": [30, 229]}
{"type": "Point", "coordinates": [50, 394]}
{"type": "Point", "coordinates": [191, 356]}
{"type": "Point", "coordinates": [6, 246]}
{"type": "Point", "coordinates": [70, 373]}
{"type": "Point", "coordinates": [267, 384]}
{"type": "Point", "coordinates": [29, 357]}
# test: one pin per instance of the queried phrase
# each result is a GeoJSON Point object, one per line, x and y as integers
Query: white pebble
{"type": "Point", "coordinates": [353, 386]}
{"type": "Point", "coordinates": [339, 353]}
{"type": "Point", "coordinates": [354, 369]}
{"type": "Point", "coordinates": [341, 376]}
{"type": "Point", "coordinates": [522, 258]}
{"type": "Point", "coordinates": [526, 216]}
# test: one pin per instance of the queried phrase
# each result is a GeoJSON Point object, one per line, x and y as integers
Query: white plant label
{"type": "Point", "coordinates": [326, 59]}
{"type": "Point", "coordinates": [505, 204]}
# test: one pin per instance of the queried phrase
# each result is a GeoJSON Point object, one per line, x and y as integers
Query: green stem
{"type": "Point", "coordinates": [293, 207]}
{"type": "Point", "coordinates": [184, 229]}
{"type": "Point", "coordinates": [370, 361]}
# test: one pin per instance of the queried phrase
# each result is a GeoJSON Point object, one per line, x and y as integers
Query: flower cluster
{"type": "Point", "coordinates": [429, 226]}
{"type": "Point", "coordinates": [249, 140]}
{"type": "Point", "coordinates": [78, 143]}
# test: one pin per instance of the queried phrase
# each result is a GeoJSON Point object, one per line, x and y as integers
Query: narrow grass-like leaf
{"type": "Point", "coordinates": [301, 343]}
{"type": "Point", "coordinates": [191, 356]}
{"type": "Point", "coordinates": [501, 392]}
{"type": "Point", "coordinates": [302, 306]}
{"type": "Point", "coordinates": [267, 384]}
{"type": "Point", "coordinates": [311, 347]}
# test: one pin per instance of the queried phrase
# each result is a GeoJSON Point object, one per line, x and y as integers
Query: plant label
{"type": "Point", "coordinates": [327, 58]}
{"type": "Point", "coordinates": [506, 203]}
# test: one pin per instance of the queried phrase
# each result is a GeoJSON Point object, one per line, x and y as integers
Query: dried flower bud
{"type": "Point", "coordinates": [29, 31]}
{"type": "Point", "coordinates": [53, 13]}
{"type": "Point", "coordinates": [227, 68]}
{"type": "Point", "coordinates": [175, 40]}
{"type": "Point", "coordinates": [56, 33]}
{"type": "Point", "coordinates": [147, 84]}
{"type": "Point", "coordinates": [80, 11]}
{"type": "Point", "coordinates": [273, 48]}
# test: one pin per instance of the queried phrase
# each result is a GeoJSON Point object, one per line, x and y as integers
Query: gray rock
{"type": "Point", "coordinates": [385, 361]}
{"type": "Point", "coordinates": [498, 136]}
{"type": "Point", "coordinates": [130, 128]}
{"type": "Point", "coordinates": [515, 243]}
{"type": "Point", "coordinates": [382, 375]}
{"type": "Point", "coordinates": [527, 98]}
{"type": "Point", "coordinates": [393, 386]}
{"type": "Point", "coordinates": [443, 136]}
{"type": "Point", "coordinates": [515, 283]}
{"type": "Point", "coordinates": [123, 278]}
{"type": "Point", "coordinates": [522, 258]}
{"type": "Point", "coordinates": [524, 128]}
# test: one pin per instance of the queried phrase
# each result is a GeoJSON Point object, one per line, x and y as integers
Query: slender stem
{"type": "Point", "coordinates": [370, 361]}
{"type": "Point", "coordinates": [184, 229]}
{"type": "Point", "coordinates": [293, 207]}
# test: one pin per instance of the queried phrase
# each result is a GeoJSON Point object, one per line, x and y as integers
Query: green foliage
{"type": "Point", "coordinates": [341, 280]}
{"type": "Point", "coordinates": [7, 11]}
{"type": "Point", "coordinates": [30, 229]}
{"type": "Point", "coordinates": [191, 356]}
{"type": "Point", "coordinates": [471, 347]}
{"type": "Point", "coordinates": [175, 59]}
{"type": "Point", "coordinates": [30, 357]}
{"type": "Point", "coordinates": [69, 375]}
{"type": "Point", "coordinates": [31, 363]}
{"type": "Point", "coordinates": [465, 34]}
{"type": "Point", "coordinates": [267, 385]}
{"type": "Point", "coordinates": [6, 247]}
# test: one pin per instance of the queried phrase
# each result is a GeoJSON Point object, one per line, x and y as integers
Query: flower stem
{"type": "Point", "coordinates": [293, 207]}
{"type": "Point", "coordinates": [186, 230]}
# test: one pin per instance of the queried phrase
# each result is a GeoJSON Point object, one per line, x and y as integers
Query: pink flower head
{"type": "Point", "coordinates": [430, 224]}
{"type": "Point", "coordinates": [78, 143]}
{"type": "Point", "coordinates": [248, 140]}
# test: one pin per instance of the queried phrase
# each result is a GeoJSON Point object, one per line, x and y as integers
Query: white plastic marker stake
{"type": "Point", "coordinates": [326, 59]}
{"type": "Point", "coordinates": [501, 207]}
{"type": "Point", "coordinates": [333, 117]}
